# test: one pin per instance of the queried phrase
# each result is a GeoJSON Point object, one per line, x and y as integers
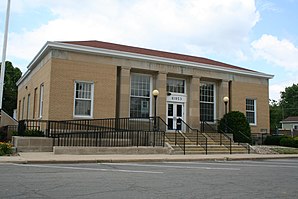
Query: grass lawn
{"type": "Point", "coordinates": [285, 150]}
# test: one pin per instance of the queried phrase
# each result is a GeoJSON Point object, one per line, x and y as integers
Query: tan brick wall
{"type": "Point", "coordinates": [41, 76]}
{"type": "Point", "coordinates": [259, 91]}
{"type": "Point", "coordinates": [66, 72]}
{"type": "Point", "coordinates": [64, 68]}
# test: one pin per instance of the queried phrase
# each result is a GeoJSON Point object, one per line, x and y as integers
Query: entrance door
{"type": "Point", "coordinates": [175, 112]}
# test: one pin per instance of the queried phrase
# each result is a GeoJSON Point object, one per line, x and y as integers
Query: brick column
{"type": "Point", "coordinates": [161, 86]}
{"type": "Point", "coordinates": [124, 92]}
{"type": "Point", "coordinates": [194, 102]}
{"type": "Point", "coordinates": [223, 91]}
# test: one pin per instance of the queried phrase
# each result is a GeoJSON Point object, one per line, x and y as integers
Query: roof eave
{"type": "Point", "coordinates": [78, 48]}
{"type": "Point", "coordinates": [158, 59]}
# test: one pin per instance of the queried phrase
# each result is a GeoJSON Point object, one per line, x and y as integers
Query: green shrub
{"type": "Point", "coordinates": [235, 122]}
{"type": "Point", "coordinates": [30, 133]}
{"type": "Point", "coordinates": [289, 142]}
{"type": "Point", "coordinates": [273, 139]}
{"type": "Point", "coordinates": [33, 133]}
{"type": "Point", "coordinates": [5, 148]}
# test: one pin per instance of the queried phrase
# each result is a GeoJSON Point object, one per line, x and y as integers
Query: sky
{"type": "Point", "coordinates": [260, 35]}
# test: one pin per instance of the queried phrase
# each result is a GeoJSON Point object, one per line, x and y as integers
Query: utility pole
{"type": "Point", "coordinates": [4, 54]}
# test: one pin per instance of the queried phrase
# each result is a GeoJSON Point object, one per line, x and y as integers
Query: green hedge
{"type": "Point", "coordinates": [289, 142]}
{"type": "Point", "coordinates": [236, 123]}
{"type": "Point", "coordinates": [273, 140]}
{"type": "Point", "coordinates": [281, 141]}
{"type": "Point", "coordinates": [30, 133]}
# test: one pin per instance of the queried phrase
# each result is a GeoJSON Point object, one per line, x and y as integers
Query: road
{"type": "Point", "coordinates": [215, 179]}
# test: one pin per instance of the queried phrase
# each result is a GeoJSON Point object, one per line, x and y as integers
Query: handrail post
{"type": "Point", "coordinates": [230, 146]}
{"type": "Point", "coordinates": [206, 145]}
{"type": "Point", "coordinates": [175, 137]}
{"type": "Point", "coordinates": [184, 145]}
{"type": "Point", "coordinates": [197, 137]}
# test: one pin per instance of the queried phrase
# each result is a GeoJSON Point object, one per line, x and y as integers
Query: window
{"type": "Point", "coordinates": [176, 85]}
{"type": "Point", "coordinates": [140, 96]}
{"type": "Point", "coordinates": [207, 102]}
{"type": "Point", "coordinates": [251, 111]}
{"type": "Point", "coordinates": [19, 112]}
{"type": "Point", "coordinates": [23, 108]}
{"type": "Point", "coordinates": [41, 100]}
{"type": "Point", "coordinates": [28, 106]}
{"type": "Point", "coordinates": [83, 105]}
{"type": "Point", "coordinates": [34, 103]}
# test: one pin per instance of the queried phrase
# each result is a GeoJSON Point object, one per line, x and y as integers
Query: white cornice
{"type": "Point", "coordinates": [121, 54]}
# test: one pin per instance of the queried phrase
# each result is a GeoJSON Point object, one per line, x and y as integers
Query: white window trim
{"type": "Point", "coordinates": [215, 99]}
{"type": "Point", "coordinates": [92, 100]}
{"type": "Point", "coordinates": [41, 95]}
{"type": "Point", "coordinates": [28, 105]}
{"type": "Point", "coordinates": [150, 95]}
{"type": "Point", "coordinates": [185, 86]}
{"type": "Point", "coordinates": [255, 111]}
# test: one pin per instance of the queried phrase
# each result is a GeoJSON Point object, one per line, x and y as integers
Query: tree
{"type": "Point", "coordinates": [276, 115]}
{"type": "Point", "coordinates": [236, 123]}
{"type": "Point", "coordinates": [289, 101]}
{"type": "Point", "coordinates": [10, 89]}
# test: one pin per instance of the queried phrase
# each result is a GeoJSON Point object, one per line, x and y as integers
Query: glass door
{"type": "Point", "coordinates": [174, 116]}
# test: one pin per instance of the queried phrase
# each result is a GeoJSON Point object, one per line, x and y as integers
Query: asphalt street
{"type": "Point", "coordinates": [276, 178]}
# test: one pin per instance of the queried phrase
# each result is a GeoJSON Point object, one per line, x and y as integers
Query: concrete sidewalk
{"type": "Point", "coordinates": [51, 158]}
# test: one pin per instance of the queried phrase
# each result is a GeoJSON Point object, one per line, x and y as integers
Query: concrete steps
{"type": "Point", "coordinates": [213, 143]}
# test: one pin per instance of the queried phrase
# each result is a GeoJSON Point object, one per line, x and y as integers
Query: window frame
{"type": "Point", "coordinates": [28, 105]}
{"type": "Point", "coordinates": [250, 111]}
{"type": "Point", "coordinates": [214, 100]}
{"type": "Point", "coordinates": [150, 93]}
{"type": "Point", "coordinates": [41, 96]}
{"type": "Point", "coordinates": [177, 93]}
{"type": "Point", "coordinates": [91, 103]}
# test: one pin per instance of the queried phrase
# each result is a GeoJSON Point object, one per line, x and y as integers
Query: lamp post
{"type": "Point", "coordinates": [155, 94]}
{"type": "Point", "coordinates": [226, 100]}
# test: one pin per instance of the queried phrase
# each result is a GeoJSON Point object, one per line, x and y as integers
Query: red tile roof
{"type": "Point", "coordinates": [157, 53]}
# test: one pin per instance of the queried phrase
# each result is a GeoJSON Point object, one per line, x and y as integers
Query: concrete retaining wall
{"type": "Point", "coordinates": [32, 144]}
{"type": "Point", "coordinates": [110, 150]}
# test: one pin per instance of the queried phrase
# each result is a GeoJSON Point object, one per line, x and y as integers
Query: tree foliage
{"type": "Point", "coordinates": [289, 101]}
{"type": "Point", "coordinates": [10, 89]}
{"type": "Point", "coordinates": [236, 123]}
{"type": "Point", "coordinates": [275, 115]}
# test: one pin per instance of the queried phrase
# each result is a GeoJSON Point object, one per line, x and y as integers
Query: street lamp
{"type": "Point", "coordinates": [155, 94]}
{"type": "Point", "coordinates": [226, 100]}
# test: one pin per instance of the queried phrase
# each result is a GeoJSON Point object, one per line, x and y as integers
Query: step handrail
{"type": "Point", "coordinates": [204, 145]}
{"type": "Point", "coordinates": [178, 132]}
{"type": "Point", "coordinates": [245, 145]}
{"type": "Point", "coordinates": [229, 146]}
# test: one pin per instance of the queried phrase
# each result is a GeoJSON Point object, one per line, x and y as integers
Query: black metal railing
{"type": "Point", "coordinates": [110, 139]}
{"type": "Point", "coordinates": [180, 140]}
{"type": "Point", "coordinates": [92, 130]}
{"type": "Point", "coordinates": [38, 125]}
{"type": "Point", "coordinates": [247, 139]}
{"type": "Point", "coordinates": [225, 140]}
{"type": "Point", "coordinates": [196, 135]}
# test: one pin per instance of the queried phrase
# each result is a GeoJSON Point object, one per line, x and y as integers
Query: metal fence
{"type": "Point", "coordinates": [99, 132]}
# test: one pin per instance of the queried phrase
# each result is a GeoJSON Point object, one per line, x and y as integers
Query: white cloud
{"type": "Point", "coordinates": [214, 26]}
{"type": "Point", "coordinates": [282, 53]}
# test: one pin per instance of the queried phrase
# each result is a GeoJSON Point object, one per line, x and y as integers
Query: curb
{"type": "Point", "coordinates": [77, 161]}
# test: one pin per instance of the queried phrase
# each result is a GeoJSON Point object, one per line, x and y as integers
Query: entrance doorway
{"type": "Point", "coordinates": [175, 111]}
